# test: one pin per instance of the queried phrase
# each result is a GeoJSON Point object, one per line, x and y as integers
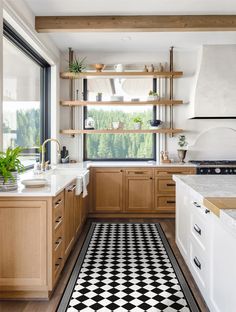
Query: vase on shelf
{"type": "Point", "coordinates": [182, 155]}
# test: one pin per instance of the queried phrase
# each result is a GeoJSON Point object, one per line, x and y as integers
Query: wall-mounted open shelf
{"type": "Point", "coordinates": [119, 131]}
{"type": "Point", "coordinates": [115, 103]}
{"type": "Point", "coordinates": [69, 75]}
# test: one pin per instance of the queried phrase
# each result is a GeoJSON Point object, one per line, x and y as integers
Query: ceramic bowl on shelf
{"type": "Point", "coordinates": [99, 67]}
{"type": "Point", "coordinates": [117, 98]}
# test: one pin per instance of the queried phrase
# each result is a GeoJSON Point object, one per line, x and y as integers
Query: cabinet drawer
{"type": "Point", "coordinates": [170, 171]}
{"type": "Point", "coordinates": [58, 205]}
{"type": "Point", "coordinates": [165, 203]}
{"type": "Point", "coordinates": [198, 265]}
{"type": "Point", "coordinates": [139, 172]}
{"type": "Point", "coordinates": [165, 186]}
{"type": "Point", "coordinates": [58, 237]}
{"type": "Point", "coordinates": [58, 260]}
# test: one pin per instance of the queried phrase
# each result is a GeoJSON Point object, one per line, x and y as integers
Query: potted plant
{"type": "Point", "coordinates": [152, 96]}
{"type": "Point", "coordinates": [77, 65]}
{"type": "Point", "coordinates": [10, 166]}
{"type": "Point", "coordinates": [137, 123]}
{"type": "Point", "coordinates": [99, 97]}
{"type": "Point", "coordinates": [182, 148]}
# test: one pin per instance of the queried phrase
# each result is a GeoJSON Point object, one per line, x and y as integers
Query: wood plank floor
{"type": "Point", "coordinates": [51, 305]}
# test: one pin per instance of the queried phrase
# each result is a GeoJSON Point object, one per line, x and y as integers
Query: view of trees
{"type": "Point", "coordinates": [117, 146]}
{"type": "Point", "coordinates": [28, 128]}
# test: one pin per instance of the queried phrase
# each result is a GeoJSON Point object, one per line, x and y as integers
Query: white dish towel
{"type": "Point", "coordinates": [79, 186]}
{"type": "Point", "coordinates": [85, 183]}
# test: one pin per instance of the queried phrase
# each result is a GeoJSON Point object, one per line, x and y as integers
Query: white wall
{"type": "Point", "coordinates": [187, 61]}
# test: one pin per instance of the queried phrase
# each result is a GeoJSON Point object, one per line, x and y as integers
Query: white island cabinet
{"type": "Point", "coordinates": [207, 244]}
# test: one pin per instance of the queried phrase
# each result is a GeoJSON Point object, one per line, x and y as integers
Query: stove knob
{"type": "Point", "coordinates": [217, 170]}
{"type": "Point", "coordinates": [226, 170]}
{"type": "Point", "coordinates": [235, 170]}
{"type": "Point", "coordinates": [209, 170]}
{"type": "Point", "coordinates": [202, 170]}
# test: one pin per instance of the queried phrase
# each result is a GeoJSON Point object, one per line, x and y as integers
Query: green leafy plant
{"type": "Point", "coordinates": [182, 141]}
{"type": "Point", "coordinates": [9, 162]}
{"type": "Point", "coordinates": [77, 65]}
{"type": "Point", "coordinates": [99, 94]}
{"type": "Point", "coordinates": [152, 93]}
{"type": "Point", "coordinates": [137, 120]}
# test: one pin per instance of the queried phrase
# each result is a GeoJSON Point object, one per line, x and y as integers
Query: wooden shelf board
{"type": "Point", "coordinates": [104, 74]}
{"type": "Point", "coordinates": [119, 131]}
{"type": "Point", "coordinates": [114, 103]}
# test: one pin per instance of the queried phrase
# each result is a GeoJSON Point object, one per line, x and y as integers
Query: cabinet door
{"type": "Point", "coordinates": [108, 190]}
{"type": "Point", "coordinates": [222, 268]}
{"type": "Point", "coordinates": [78, 213]}
{"type": "Point", "coordinates": [139, 194]}
{"type": "Point", "coordinates": [183, 202]}
{"type": "Point", "coordinates": [69, 218]}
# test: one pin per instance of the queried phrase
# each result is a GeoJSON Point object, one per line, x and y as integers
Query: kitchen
{"type": "Point", "coordinates": [126, 125]}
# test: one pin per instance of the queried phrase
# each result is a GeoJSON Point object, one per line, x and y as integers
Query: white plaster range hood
{"type": "Point", "coordinates": [215, 90]}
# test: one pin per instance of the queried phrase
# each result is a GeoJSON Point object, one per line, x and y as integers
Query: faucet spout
{"type": "Point", "coordinates": [43, 163]}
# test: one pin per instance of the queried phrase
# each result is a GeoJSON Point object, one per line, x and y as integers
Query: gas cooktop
{"type": "Point", "coordinates": [215, 166]}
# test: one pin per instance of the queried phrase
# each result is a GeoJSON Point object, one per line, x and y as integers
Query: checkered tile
{"type": "Point", "coordinates": [126, 268]}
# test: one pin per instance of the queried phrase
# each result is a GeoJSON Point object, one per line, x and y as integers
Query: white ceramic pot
{"type": "Point", "coordinates": [152, 98]}
{"type": "Point", "coordinates": [10, 185]}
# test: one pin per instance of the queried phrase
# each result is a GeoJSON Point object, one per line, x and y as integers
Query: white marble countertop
{"type": "Point", "coordinates": [151, 164]}
{"type": "Point", "coordinates": [214, 186]}
{"type": "Point", "coordinates": [57, 181]}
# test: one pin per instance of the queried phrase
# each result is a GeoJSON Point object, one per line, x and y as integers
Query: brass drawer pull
{"type": "Point", "coordinates": [170, 184]}
{"type": "Point", "coordinates": [58, 221]}
{"type": "Point", "coordinates": [58, 242]}
{"type": "Point", "coordinates": [58, 261]}
{"type": "Point", "coordinates": [139, 172]}
{"type": "Point", "coordinates": [170, 201]}
{"type": "Point", "coordinates": [58, 203]}
{"type": "Point", "coordinates": [72, 188]}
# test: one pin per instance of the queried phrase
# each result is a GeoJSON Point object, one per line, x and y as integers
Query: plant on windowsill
{"type": "Point", "coordinates": [182, 150]}
{"type": "Point", "coordinates": [10, 166]}
{"type": "Point", "coordinates": [137, 123]}
{"type": "Point", "coordinates": [77, 65]}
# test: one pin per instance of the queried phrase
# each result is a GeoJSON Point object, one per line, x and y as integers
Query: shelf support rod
{"type": "Point", "coordinates": [171, 88]}
{"type": "Point", "coordinates": [71, 91]}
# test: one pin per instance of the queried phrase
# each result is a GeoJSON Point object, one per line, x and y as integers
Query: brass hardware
{"type": "Point", "coordinates": [170, 201]}
{"type": "Point", "coordinates": [72, 188]}
{"type": "Point", "coordinates": [170, 184]}
{"type": "Point", "coordinates": [43, 163]}
{"type": "Point", "coordinates": [58, 203]}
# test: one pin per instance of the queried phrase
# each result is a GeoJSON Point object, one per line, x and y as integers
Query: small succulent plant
{"type": "Point", "coordinates": [182, 141]}
{"type": "Point", "coordinates": [77, 65]}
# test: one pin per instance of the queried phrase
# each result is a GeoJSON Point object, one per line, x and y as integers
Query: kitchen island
{"type": "Point", "coordinates": [206, 235]}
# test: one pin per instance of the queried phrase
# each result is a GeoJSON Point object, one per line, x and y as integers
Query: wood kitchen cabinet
{"type": "Point", "coordinates": [122, 191]}
{"type": "Point", "coordinates": [107, 189]}
{"type": "Point", "coordinates": [36, 237]}
{"type": "Point", "coordinates": [139, 190]}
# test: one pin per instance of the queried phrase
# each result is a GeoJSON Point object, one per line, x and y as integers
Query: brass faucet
{"type": "Point", "coordinates": [43, 163]}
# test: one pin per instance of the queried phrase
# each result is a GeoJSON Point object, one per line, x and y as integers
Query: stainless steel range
{"type": "Point", "coordinates": [215, 166]}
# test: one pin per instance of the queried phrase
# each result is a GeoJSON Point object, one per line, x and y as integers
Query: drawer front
{"type": "Point", "coordinates": [58, 250]}
{"type": "Point", "coordinates": [139, 172]}
{"type": "Point", "coordinates": [58, 205]}
{"type": "Point", "coordinates": [198, 265]}
{"type": "Point", "coordinates": [170, 171]}
{"type": "Point", "coordinates": [165, 203]}
{"type": "Point", "coordinates": [165, 186]}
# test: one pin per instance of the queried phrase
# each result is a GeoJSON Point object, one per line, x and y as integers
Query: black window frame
{"type": "Point", "coordinates": [45, 81]}
{"type": "Point", "coordinates": [85, 110]}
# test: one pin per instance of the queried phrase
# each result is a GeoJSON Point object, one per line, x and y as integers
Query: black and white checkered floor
{"type": "Point", "coordinates": [127, 268]}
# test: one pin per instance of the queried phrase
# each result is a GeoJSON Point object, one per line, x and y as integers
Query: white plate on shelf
{"type": "Point", "coordinates": [34, 182]}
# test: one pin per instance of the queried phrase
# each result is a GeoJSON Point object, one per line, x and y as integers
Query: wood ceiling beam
{"type": "Point", "coordinates": [140, 23]}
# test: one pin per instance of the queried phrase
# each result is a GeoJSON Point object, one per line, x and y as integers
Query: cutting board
{"type": "Point", "coordinates": [217, 203]}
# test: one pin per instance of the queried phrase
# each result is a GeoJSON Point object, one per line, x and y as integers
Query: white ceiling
{"type": "Point", "coordinates": [132, 7]}
{"type": "Point", "coordinates": [138, 42]}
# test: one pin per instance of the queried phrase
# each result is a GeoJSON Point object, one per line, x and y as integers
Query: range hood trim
{"type": "Point", "coordinates": [215, 117]}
